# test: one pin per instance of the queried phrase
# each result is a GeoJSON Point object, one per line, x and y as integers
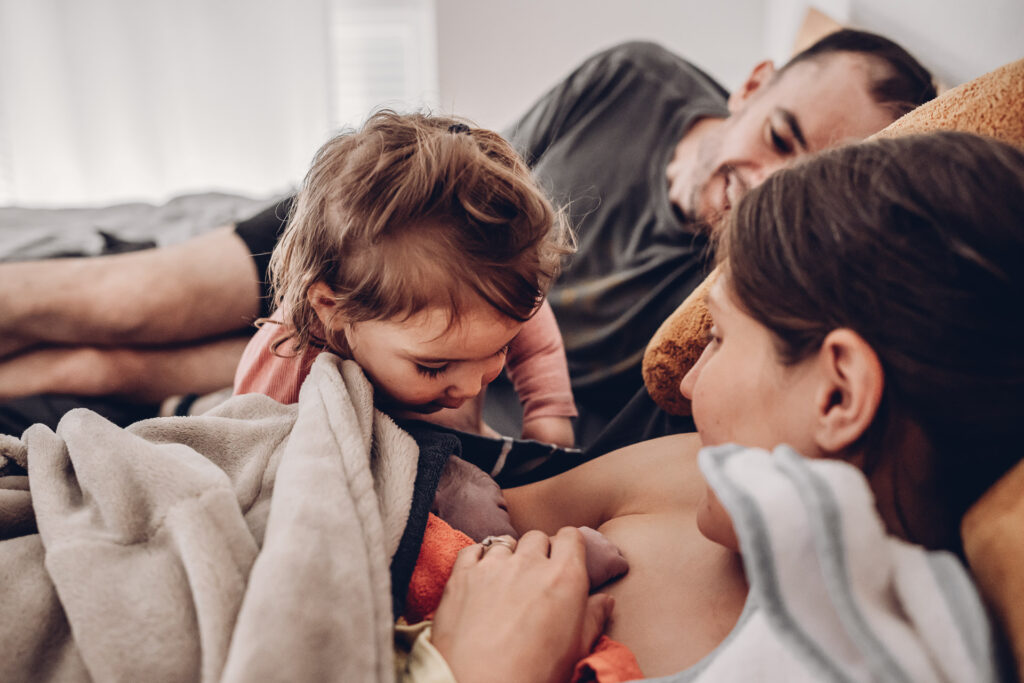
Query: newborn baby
{"type": "Point", "coordinates": [471, 501]}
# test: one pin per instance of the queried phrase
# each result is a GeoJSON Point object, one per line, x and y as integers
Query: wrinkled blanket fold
{"type": "Point", "coordinates": [251, 543]}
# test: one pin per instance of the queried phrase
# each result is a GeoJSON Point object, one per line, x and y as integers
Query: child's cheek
{"type": "Point", "coordinates": [492, 373]}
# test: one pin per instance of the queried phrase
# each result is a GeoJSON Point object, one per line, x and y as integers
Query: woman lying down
{"type": "Point", "coordinates": [869, 318]}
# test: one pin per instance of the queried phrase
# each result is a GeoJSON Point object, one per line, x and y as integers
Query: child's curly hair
{"type": "Point", "coordinates": [414, 211]}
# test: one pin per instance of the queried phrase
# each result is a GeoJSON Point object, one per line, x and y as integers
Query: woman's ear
{"type": "Point", "coordinates": [321, 298]}
{"type": "Point", "coordinates": [759, 77]}
{"type": "Point", "coordinates": [849, 397]}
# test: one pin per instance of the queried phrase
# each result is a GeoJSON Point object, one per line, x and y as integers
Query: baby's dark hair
{"type": "Point", "coordinates": [900, 83]}
{"type": "Point", "coordinates": [916, 244]}
{"type": "Point", "coordinates": [414, 211]}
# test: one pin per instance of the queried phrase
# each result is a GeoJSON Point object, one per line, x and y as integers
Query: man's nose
{"type": "Point", "coordinates": [755, 175]}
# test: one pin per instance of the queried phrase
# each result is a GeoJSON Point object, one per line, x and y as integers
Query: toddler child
{"type": "Point", "coordinates": [481, 185]}
{"type": "Point", "coordinates": [420, 248]}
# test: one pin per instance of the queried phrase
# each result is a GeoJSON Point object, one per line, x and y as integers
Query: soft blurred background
{"type": "Point", "coordinates": [105, 101]}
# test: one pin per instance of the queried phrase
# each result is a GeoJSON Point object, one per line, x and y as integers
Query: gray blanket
{"type": "Point", "coordinates": [32, 233]}
{"type": "Point", "coordinates": [250, 543]}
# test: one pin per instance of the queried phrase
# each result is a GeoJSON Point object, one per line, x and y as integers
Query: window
{"type": "Point", "coordinates": [383, 53]}
{"type": "Point", "coordinates": [124, 100]}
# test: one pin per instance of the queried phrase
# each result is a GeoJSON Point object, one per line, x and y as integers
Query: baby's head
{"type": "Point", "coordinates": [417, 246]}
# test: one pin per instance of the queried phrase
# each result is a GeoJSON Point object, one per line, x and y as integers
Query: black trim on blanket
{"type": "Point", "coordinates": [435, 448]}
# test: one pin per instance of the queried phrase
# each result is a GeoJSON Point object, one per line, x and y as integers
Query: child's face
{"type": "Point", "coordinates": [422, 365]}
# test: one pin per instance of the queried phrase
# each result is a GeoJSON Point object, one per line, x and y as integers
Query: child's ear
{"type": "Point", "coordinates": [321, 298]}
{"type": "Point", "coordinates": [848, 398]}
{"type": "Point", "coordinates": [759, 77]}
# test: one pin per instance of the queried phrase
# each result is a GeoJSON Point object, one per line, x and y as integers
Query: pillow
{"type": "Point", "coordinates": [991, 105]}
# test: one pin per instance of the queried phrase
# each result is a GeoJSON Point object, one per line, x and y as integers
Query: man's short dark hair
{"type": "Point", "coordinates": [905, 83]}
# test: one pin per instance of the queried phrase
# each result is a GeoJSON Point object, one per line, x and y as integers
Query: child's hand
{"type": "Point", "coordinates": [553, 430]}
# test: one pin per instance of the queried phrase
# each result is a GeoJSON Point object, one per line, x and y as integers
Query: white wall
{"type": "Point", "coordinates": [497, 56]}
{"type": "Point", "coordinates": [254, 76]}
{"type": "Point", "coordinates": [112, 100]}
{"type": "Point", "coordinates": [956, 39]}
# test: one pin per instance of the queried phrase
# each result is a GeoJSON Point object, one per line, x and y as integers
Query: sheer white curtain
{"type": "Point", "coordinates": [115, 100]}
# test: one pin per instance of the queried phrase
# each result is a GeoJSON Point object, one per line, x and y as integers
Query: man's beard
{"type": "Point", "coordinates": [706, 168]}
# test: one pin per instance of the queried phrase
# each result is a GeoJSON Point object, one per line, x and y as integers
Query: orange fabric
{"type": "Point", "coordinates": [609, 662]}
{"type": "Point", "coordinates": [441, 544]}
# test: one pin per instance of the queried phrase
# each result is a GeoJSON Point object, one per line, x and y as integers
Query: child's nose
{"type": "Point", "coordinates": [474, 377]}
{"type": "Point", "coordinates": [466, 384]}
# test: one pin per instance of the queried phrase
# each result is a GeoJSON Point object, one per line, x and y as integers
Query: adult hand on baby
{"type": "Point", "coordinates": [522, 615]}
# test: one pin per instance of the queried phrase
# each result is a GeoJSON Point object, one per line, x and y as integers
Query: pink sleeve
{"type": "Point", "coordinates": [538, 370]}
{"type": "Point", "coordinates": [260, 371]}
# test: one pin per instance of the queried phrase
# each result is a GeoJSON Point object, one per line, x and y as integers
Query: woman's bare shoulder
{"type": "Point", "coordinates": [646, 477]}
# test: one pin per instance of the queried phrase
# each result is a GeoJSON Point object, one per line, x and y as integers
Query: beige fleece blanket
{"type": "Point", "coordinates": [251, 543]}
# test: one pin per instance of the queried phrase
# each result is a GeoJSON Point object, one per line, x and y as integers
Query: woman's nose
{"type": "Point", "coordinates": [690, 378]}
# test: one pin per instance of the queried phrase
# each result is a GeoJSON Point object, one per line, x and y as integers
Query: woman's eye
{"type": "Point", "coordinates": [429, 371]}
{"type": "Point", "coordinates": [780, 144]}
{"type": "Point", "coordinates": [711, 336]}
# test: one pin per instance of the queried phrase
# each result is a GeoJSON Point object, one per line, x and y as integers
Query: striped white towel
{"type": "Point", "coordinates": [832, 596]}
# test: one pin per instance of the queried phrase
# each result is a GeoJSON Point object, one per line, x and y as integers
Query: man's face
{"type": "Point", "coordinates": [812, 106]}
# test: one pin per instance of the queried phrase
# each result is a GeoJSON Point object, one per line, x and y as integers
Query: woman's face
{"type": "Point", "coordinates": [742, 393]}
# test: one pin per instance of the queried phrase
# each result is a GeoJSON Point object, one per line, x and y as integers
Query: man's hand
{"type": "Point", "coordinates": [521, 615]}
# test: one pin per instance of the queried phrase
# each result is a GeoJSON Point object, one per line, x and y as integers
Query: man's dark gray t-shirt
{"type": "Point", "coordinates": [599, 143]}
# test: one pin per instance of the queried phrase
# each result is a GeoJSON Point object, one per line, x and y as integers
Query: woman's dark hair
{"type": "Point", "coordinates": [916, 244]}
{"type": "Point", "coordinates": [900, 83]}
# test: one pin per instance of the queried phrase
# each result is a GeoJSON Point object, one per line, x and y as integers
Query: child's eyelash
{"type": "Point", "coordinates": [429, 371]}
{"type": "Point", "coordinates": [432, 372]}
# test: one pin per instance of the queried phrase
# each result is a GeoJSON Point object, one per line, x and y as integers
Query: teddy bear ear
{"type": "Point", "coordinates": [675, 348]}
